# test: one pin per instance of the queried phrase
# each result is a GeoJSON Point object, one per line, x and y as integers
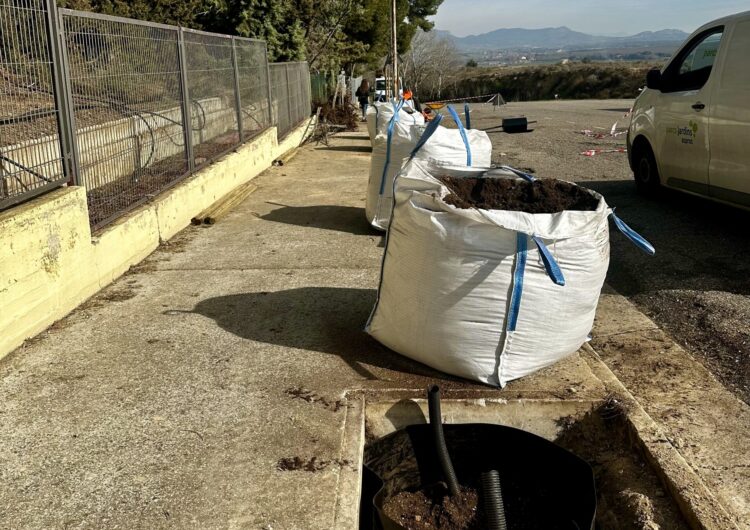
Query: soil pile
{"type": "Point", "coordinates": [434, 508]}
{"type": "Point", "coordinates": [345, 115]}
{"type": "Point", "coordinates": [539, 196]}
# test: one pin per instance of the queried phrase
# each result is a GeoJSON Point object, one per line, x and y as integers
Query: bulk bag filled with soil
{"type": "Point", "coordinates": [450, 146]}
{"type": "Point", "coordinates": [472, 288]}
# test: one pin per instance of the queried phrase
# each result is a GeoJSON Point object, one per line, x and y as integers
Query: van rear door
{"type": "Point", "coordinates": [729, 123]}
{"type": "Point", "coordinates": [683, 108]}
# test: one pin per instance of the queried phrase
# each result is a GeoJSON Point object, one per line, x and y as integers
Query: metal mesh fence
{"type": "Point", "coordinates": [127, 108]}
{"type": "Point", "coordinates": [252, 68]}
{"type": "Point", "coordinates": [300, 91]}
{"type": "Point", "coordinates": [212, 92]}
{"type": "Point", "coordinates": [319, 89]}
{"type": "Point", "coordinates": [280, 98]}
{"type": "Point", "coordinates": [30, 153]}
{"type": "Point", "coordinates": [290, 94]}
{"type": "Point", "coordinates": [124, 81]}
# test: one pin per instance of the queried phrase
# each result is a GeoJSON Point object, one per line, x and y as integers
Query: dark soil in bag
{"type": "Point", "coordinates": [539, 196]}
{"type": "Point", "coordinates": [433, 508]}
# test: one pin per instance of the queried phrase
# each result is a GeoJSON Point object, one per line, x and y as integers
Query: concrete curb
{"type": "Point", "coordinates": [699, 507]}
{"type": "Point", "coordinates": [349, 485]}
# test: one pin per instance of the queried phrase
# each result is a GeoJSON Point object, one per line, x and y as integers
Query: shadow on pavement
{"type": "Point", "coordinates": [322, 319]}
{"type": "Point", "coordinates": [700, 245]}
{"type": "Point", "coordinates": [350, 219]}
{"type": "Point", "coordinates": [347, 148]}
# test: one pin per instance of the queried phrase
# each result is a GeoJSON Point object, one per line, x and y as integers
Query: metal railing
{"type": "Point", "coordinates": [127, 108]}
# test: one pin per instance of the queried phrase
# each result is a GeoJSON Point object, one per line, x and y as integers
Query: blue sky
{"type": "Point", "coordinates": [602, 17]}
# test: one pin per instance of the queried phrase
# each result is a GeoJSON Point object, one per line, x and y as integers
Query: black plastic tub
{"type": "Point", "coordinates": [544, 486]}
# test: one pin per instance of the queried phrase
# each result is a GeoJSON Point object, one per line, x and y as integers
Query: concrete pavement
{"type": "Point", "coordinates": [221, 383]}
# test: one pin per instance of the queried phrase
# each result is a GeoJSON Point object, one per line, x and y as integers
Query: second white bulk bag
{"type": "Point", "coordinates": [488, 295]}
{"type": "Point", "coordinates": [450, 146]}
{"type": "Point", "coordinates": [454, 147]}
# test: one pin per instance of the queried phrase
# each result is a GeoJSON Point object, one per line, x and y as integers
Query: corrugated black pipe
{"type": "Point", "coordinates": [433, 400]}
{"type": "Point", "coordinates": [492, 497]}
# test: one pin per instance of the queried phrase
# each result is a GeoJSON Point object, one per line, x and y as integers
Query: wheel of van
{"type": "Point", "coordinates": [645, 171]}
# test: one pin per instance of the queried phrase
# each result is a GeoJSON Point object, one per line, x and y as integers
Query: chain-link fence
{"type": "Point", "coordinates": [31, 161]}
{"type": "Point", "coordinates": [290, 94]}
{"type": "Point", "coordinates": [127, 108]}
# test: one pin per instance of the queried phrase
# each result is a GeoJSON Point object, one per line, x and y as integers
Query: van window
{"type": "Point", "coordinates": [736, 71]}
{"type": "Point", "coordinates": [692, 68]}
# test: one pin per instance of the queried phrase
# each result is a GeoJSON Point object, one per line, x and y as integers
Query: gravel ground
{"type": "Point", "coordinates": [696, 287]}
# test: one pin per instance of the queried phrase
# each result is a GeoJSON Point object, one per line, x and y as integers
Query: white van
{"type": "Point", "coordinates": [690, 128]}
{"type": "Point", "coordinates": [380, 89]}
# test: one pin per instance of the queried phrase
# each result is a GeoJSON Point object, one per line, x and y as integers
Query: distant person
{"type": "Point", "coordinates": [427, 113]}
{"type": "Point", "coordinates": [363, 96]}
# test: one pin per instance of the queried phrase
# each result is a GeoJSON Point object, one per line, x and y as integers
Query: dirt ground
{"type": "Point", "coordinates": [696, 287]}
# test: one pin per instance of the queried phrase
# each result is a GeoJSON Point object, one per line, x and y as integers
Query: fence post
{"type": "Point", "coordinates": [308, 92]}
{"type": "Point", "coordinates": [288, 96]}
{"type": "Point", "coordinates": [270, 96]}
{"type": "Point", "coordinates": [187, 125]}
{"type": "Point", "coordinates": [62, 93]}
{"type": "Point", "coordinates": [237, 98]}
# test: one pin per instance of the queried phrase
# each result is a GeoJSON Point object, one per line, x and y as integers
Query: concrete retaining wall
{"type": "Point", "coordinates": [50, 262]}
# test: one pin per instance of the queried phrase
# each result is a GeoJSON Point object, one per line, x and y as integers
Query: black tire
{"type": "Point", "coordinates": [645, 171]}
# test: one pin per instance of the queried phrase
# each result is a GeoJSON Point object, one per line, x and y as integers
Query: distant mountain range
{"type": "Point", "coordinates": [557, 38]}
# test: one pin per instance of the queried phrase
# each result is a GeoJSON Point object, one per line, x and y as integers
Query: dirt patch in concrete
{"type": "Point", "coordinates": [710, 324]}
{"type": "Point", "coordinates": [309, 396]}
{"type": "Point", "coordinates": [296, 463]}
{"type": "Point", "coordinates": [539, 196]}
{"type": "Point", "coordinates": [177, 244]}
{"type": "Point", "coordinates": [55, 327]}
{"type": "Point", "coordinates": [310, 465]}
{"type": "Point", "coordinates": [119, 295]}
{"type": "Point", "coordinates": [629, 494]}
{"type": "Point", "coordinates": [116, 293]}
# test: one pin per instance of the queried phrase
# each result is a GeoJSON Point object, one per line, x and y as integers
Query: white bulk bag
{"type": "Point", "coordinates": [396, 135]}
{"type": "Point", "coordinates": [471, 292]}
{"type": "Point", "coordinates": [372, 114]}
{"type": "Point", "coordinates": [453, 147]}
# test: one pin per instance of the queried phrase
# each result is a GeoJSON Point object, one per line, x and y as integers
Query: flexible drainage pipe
{"type": "Point", "coordinates": [492, 496]}
{"type": "Point", "coordinates": [433, 401]}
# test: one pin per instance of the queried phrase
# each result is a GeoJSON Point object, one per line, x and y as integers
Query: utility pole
{"type": "Point", "coordinates": [394, 48]}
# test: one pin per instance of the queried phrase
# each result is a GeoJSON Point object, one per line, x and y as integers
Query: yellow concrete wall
{"type": "Point", "coordinates": [177, 206]}
{"type": "Point", "coordinates": [44, 266]}
{"type": "Point", "coordinates": [50, 262]}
